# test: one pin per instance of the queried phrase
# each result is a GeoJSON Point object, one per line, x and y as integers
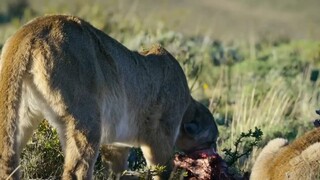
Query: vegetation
{"type": "Point", "coordinates": [271, 84]}
{"type": "Point", "coordinates": [232, 155]}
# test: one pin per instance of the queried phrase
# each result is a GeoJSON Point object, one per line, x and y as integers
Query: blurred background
{"type": "Point", "coordinates": [227, 20]}
{"type": "Point", "coordinates": [253, 63]}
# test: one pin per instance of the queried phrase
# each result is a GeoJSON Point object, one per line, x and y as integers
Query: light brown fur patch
{"type": "Point", "coordinates": [156, 49]}
{"type": "Point", "coordinates": [298, 160]}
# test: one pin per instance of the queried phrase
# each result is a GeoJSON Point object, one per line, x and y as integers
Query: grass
{"type": "Point", "coordinates": [255, 82]}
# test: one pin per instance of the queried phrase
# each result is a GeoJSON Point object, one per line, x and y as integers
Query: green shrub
{"type": "Point", "coordinates": [42, 157]}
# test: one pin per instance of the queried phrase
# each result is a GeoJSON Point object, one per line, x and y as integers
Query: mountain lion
{"type": "Point", "coordinates": [297, 160]}
{"type": "Point", "coordinates": [95, 92]}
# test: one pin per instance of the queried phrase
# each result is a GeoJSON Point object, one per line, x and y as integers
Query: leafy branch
{"type": "Point", "coordinates": [251, 139]}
